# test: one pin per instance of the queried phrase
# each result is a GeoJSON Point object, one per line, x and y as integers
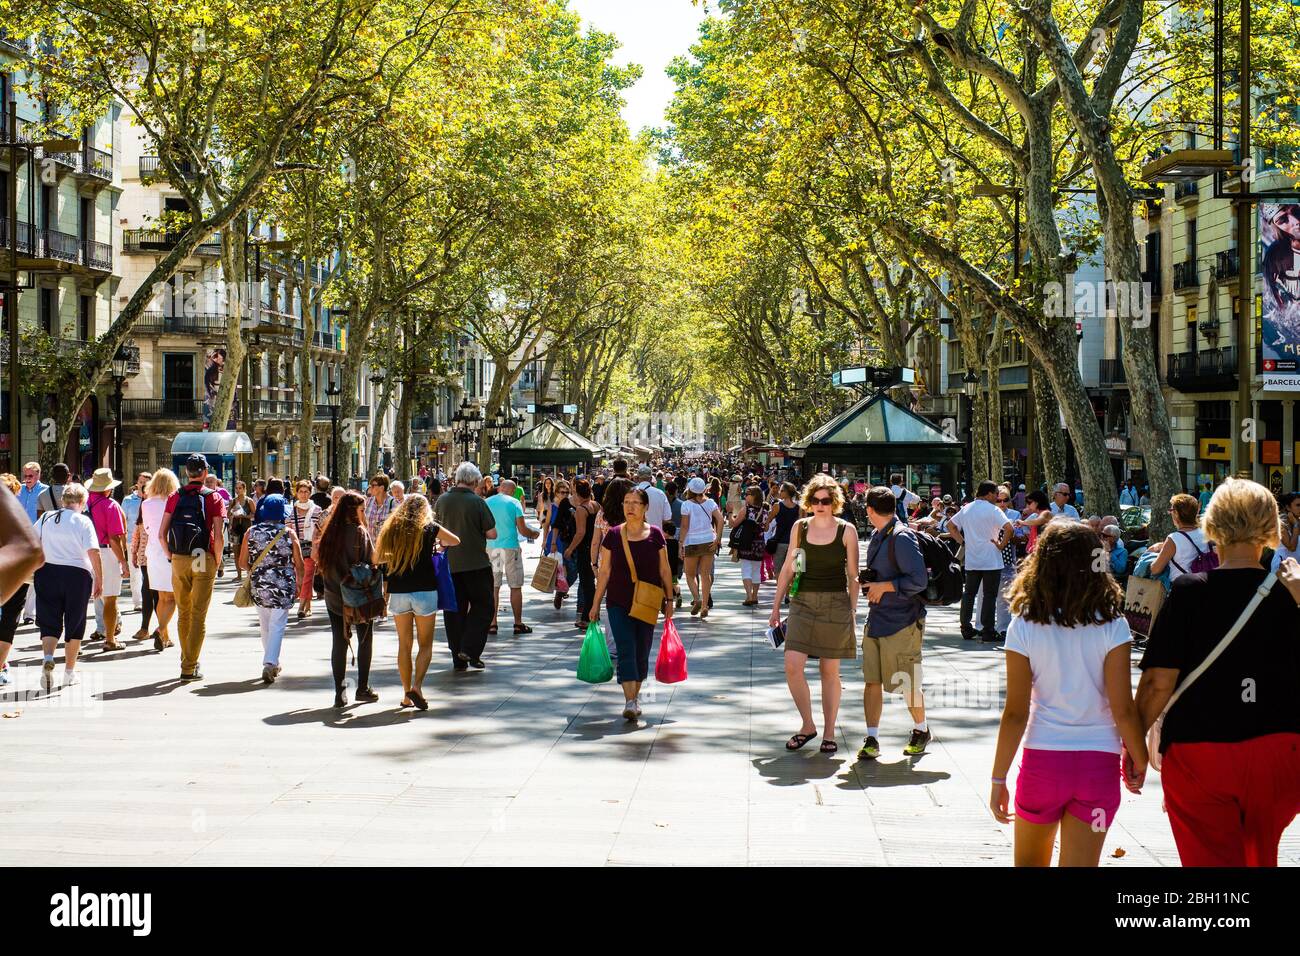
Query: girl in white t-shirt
{"type": "Point", "coordinates": [1069, 696]}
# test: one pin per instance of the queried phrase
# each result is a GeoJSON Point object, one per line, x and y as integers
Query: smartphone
{"type": "Point", "coordinates": [776, 635]}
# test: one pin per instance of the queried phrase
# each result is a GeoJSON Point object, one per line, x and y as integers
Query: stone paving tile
{"type": "Point", "coordinates": [518, 764]}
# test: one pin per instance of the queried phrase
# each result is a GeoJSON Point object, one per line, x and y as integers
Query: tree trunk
{"type": "Point", "coordinates": [1047, 423]}
{"type": "Point", "coordinates": [305, 390]}
{"type": "Point", "coordinates": [993, 401]}
{"type": "Point", "coordinates": [234, 266]}
{"type": "Point", "coordinates": [402, 443]}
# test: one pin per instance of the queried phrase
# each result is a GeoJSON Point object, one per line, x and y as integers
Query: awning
{"type": "Point", "coordinates": [211, 443]}
{"type": "Point", "coordinates": [550, 442]}
{"type": "Point", "coordinates": [878, 431]}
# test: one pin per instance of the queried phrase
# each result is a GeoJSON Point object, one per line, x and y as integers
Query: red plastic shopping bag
{"type": "Point", "coordinates": [671, 665]}
{"type": "Point", "coordinates": [561, 579]}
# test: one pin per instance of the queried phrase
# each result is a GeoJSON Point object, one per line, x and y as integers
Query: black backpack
{"type": "Point", "coordinates": [942, 567]}
{"type": "Point", "coordinates": [566, 525]}
{"type": "Point", "coordinates": [743, 535]}
{"type": "Point", "coordinates": [188, 531]}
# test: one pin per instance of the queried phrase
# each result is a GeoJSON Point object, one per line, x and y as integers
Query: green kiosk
{"type": "Point", "coordinates": [548, 444]}
{"type": "Point", "coordinates": [876, 437]}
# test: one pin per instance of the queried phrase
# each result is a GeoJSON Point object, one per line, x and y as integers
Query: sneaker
{"type": "Point", "coordinates": [917, 745]}
{"type": "Point", "coordinates": [630, 709]}
{"type": "Point", "coordinates": [268, 673]}
{"type": "Point", "coordinates": [4, 676]}
{"type": "Point", "coordinates": [994, 638]}
{"type": "Point", "coordinates": [477, 663]}
{"type": "Point", "coordinates": [70, 678]}
{"type": "Point", "coordinates": [366, 695]}
{"type": "Point", "coordinates": [870, 749]}
{"type": "Point", "coordinates": [47, 674]}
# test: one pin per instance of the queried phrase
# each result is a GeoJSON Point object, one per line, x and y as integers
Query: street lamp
{"type": "Point", "coordinates": [332, 395]}
{"type": "Point", "coordinates": [121, 362]}
{"type": "Point", "coordinates": [970, 386]}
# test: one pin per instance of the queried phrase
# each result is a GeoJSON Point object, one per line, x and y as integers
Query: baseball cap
{"type": "Point", "coordinates": [273, 508]}
{"type": "Point", "coordinates": [695, 486]}
{"type": "Point", "coordinates": [645, 470]}
{"type": "Point", "coordinates": [196, 461]}
{"type": "Point", "coordinates": [1022, 487]}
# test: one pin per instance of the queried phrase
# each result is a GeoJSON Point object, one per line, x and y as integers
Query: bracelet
{"type": "Point", "coordinates": [1001, 780]}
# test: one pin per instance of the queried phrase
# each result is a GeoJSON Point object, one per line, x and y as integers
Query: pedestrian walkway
{"type": "Point", "coordinates": [518, 764]}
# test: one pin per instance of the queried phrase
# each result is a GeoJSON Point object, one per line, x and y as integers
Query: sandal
{"type": "Point", "coordinates": [829, 747]}
{"type": "Point", "coordinates": [492, 629]}
{"type": "Point", "coordinates": [417, 699]}
{"type": "Point", "coordinates": [798, 740]}
{"type": "Point", "coordinates": [523, 629]}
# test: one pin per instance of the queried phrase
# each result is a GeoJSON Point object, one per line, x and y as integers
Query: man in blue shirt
{"type": "Point", "coordinates": [506, 554]}
{"type": "Point", "coordinates": [28, 496]}
{"type": "Point", "coordinates": [32, 489]}
{"type": "Point", "coordinates": [891, 642]}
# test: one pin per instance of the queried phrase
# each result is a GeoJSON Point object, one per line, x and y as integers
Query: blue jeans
{"type": "Point", "coordinates": [633, 639]}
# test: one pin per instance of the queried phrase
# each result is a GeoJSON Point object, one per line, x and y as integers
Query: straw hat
{"type": "Point", "coordinates": [103, 480]}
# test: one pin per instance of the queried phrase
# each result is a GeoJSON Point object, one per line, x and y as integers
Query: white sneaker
{"type": "Point", "coordinates": [70, 678]}
{"type": "Point", "coordinates": [4, 676]}
{"type": "Point", "coordinates": [636, 706]}
{"type": "Point", "coordinates": [630, 709]}
{"type": "Point", "coordinates": [47, 674]}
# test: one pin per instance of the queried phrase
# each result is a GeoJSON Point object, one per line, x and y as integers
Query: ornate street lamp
{"type": "Point", "coordinates": [332, 396]}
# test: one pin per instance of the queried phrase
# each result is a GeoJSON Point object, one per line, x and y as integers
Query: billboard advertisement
{"type": "Point", "coordinates": [1279, 236]}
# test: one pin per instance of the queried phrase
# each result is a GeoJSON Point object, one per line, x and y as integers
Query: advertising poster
{"type": "Point", "coordinates": [1279, 235]}
{"type": "Point", "coordinates": [213, 364]}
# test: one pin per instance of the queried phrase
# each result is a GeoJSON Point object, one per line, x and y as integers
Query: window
{"type": "Point", "coordinates": [1191, 240]}
{"type": "Point", "coordinates": [85, 324]}
{"type": "Point", "coordinates": [49, 310]}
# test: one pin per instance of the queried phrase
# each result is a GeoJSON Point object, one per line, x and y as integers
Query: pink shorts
{"type": "Point", "coordinates": [1082, 783]}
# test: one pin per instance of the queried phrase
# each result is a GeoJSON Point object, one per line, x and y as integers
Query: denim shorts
{"type": "Point", "coordinates": [419, 603]}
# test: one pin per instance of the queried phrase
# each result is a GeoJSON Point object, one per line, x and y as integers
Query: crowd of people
{"type": "Point", "coordinates": [1027, 570]}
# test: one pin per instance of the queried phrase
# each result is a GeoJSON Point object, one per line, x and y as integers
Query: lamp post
{"type": "Point", "coordinates": [332, 395]}
{"type": "Point", "coordinates": [121, 360]}
{"type": "Point", "coordinates": [970, 385]}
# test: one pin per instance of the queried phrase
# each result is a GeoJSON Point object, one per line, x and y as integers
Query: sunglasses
{"type": "Point", "coordinates": [1003, 501]}
{"type": "Point", "coordinates": [823, 502]}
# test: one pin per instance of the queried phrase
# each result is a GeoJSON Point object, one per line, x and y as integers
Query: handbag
{"type": "Point", "coordinates": [446, 586]}
{"type": "Point", "coordinates": [544, 573]}
{"type": "Point", "coordinates": [647, 598]}
{"type": "Point", "coordinates": [1153, 734]}
{"type": "Point", "coordinates": [244, 593]}
{"type": "Point", "coordinates": [670, 667]}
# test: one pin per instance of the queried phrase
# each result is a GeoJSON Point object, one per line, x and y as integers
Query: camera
{"type": "Point", "coordinates": [868, 576]}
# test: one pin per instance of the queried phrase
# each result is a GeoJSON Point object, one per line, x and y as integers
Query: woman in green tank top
{"type": "Point", "coordinates": [822, 609]}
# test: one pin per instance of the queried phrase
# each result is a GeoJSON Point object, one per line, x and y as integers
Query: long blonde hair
{"type": "Point", "coordinates": [401, 537]}
{"type": "Point", "coordinates": [163, 484]}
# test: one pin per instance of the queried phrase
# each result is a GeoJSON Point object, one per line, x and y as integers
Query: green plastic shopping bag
{"type": "Point", "coordinates": [594, 665]}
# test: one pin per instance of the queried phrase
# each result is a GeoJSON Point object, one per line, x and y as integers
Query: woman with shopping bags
{"type": "Point", "coordinates": [635, 577]}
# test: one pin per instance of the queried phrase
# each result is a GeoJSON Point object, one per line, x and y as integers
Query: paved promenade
{"type": "Point", "coordinates": [520, 763]}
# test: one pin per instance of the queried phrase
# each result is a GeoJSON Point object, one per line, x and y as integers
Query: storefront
{"type": "Point", "coordinates": [1213, 462]}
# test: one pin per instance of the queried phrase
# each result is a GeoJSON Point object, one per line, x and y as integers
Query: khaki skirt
{"type": "Point", "coordinates": [821, 624]}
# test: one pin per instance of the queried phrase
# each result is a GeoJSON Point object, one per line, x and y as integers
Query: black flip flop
{"type": "Point", "coordinates": [417, 699]}
{"type": "Point", "coordinates": [492, 629]}
{"type": "Point", "coordinates": [798, 740]}
{"type": "Point", "coordinates": [523, 629]}
{"type": "Point", "coordinates": [829, 747]}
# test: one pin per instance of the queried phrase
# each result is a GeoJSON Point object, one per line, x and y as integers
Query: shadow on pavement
{"type": "Point", "coordinates": [343, 718]}
{"type": "Point", "coordinates": [156, 689]}
{"type": "Point", "coordinates": [798, 768]}
{"type": "Point", "coordinates": [868, 774]}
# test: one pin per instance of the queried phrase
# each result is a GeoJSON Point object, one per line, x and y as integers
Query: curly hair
{"type": "Point", "coordinates": [815, 484]}
{"type": "Point", "coordinates": [402, 534]}
{"type": "Point", "coordinates": [1061, 583]}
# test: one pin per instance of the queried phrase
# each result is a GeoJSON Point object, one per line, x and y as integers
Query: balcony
{"type": "Point", "coordinates": [1110, 372]}
{"type": "Point", "coordinates": [153, 241]}
{"type": "Point", "coordinates": [276, 410]}
{"type": "Point", "coordinates": [157, 409]}
{"type": "Point", "coordinates": [152, 170]}
{"type": "Point", "coordinates": [95, 164]}
{"type": "Point", "coordinates": [55, 246]}
{"type": "Point", "coordinates": [1186, 276]}
{"type": "Point", "coordinates": [97, 256]}
{"type": "Point", "coordinates": [202, 325]}
{"type": "Point", "coordinates": [1226, 264]}
{"type": "Point", "coordinates": [1206, 370]}
{"type": "Point", "coordinates": [1152, 208]}
{"type": "Point", "coordinates": [1185, 190]}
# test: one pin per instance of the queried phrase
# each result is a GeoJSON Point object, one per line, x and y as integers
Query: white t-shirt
{"type": "Point", "coordinates": [701, 523]}
{"type": "Point", "coordinates": [1185, 552]}
{"type": "Point", "coordinates": [980, 522]}
{"type": "Point", "coordinates": [1068, 706]}
{"type": "Point", "coordinates": [910, 498]}
{"type": "Point", "coordinates": [1070, 511]}
{"type": "Point", "coordinates": [659, 510]}
{"type": "Point", "coordinates": [66, 536]}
